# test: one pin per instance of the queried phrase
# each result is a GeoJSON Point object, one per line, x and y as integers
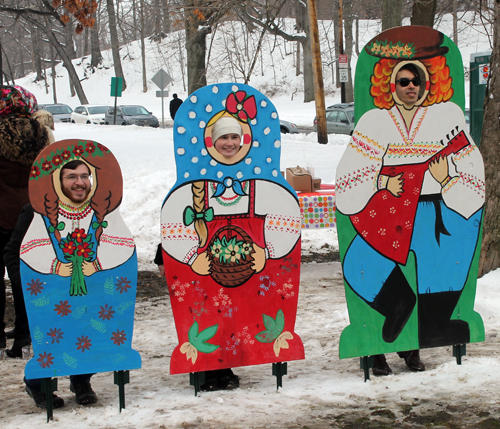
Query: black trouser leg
{"type": "Point", "coordinates": [434, 324]}
{"type": "Point", "coordinates": [395, 301]}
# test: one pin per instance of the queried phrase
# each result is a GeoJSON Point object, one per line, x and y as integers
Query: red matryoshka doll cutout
{"type": "Point", "coordinates": [410, 195]}
{"type": "Point", "coordinates": [78, 264]}
{"type": "Point", "coordinates": [231, 235]}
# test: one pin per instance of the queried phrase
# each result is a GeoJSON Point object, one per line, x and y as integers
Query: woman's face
{"type": "Point", "coordinates": [228, 145]}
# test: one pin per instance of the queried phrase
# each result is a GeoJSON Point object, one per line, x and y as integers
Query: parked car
{"type": "Point", "coordinates": [287, 127]}
{"type": "Point", "coordinates": [131, 115]}
{"type": "Point", "coordinates": [89, 114]}
{"type": "Point", "coordinates": [60, 112]}
{"type": "Point", "coordinates": [339, 119]}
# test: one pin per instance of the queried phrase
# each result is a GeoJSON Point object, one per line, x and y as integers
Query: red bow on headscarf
{"type": "Point", "coordinates": [243, 108]}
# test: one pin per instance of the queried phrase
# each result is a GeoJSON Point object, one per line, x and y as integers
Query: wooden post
{"type": "Point", "coordinates": [319, 92]}
{"type": "Point", "coordinates": [341, 45]}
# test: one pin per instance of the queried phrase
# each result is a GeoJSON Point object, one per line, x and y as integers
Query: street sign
{"type": "Point", "coordinates": [116, 86]}
{"type": "Point", "coordinates": [343, 63]}
{"type": "Point", "coordinates": [161, 79]}
{"type": "Point", "coordinates": [162, 93]}
{"type": "Point", "coordinates": [344, 75]}
{"type": "Point", "coordinates": [484, 71]}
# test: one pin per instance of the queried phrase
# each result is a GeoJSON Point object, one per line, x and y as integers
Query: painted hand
{"type": "Point", "coordinates": [201, 264]}
{"type": "Point", "coordinates": [438, 168]}
{"type": "Point", "coordinates": [395, 185]}
{"type": "Point", "coordinates": [259, 258]}
{"type": "Point", "coordinates": [66, 269]}
{"type": "Point", "coordinates": [88, 268]}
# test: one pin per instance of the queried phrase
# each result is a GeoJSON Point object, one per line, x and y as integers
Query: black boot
{"type": "Point", "coordinates": [380, 366]}
{"type": "Point", "coordinates": [17, 349]}
{"type": "Point", "coordinates": [412, 360]}
{"type": "Point", "coordinates": [395, 301]}
{"type": "Point", "coordinates": [435, 328]}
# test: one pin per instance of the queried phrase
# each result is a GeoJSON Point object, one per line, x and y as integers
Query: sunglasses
{"type": "Point", "coordinates": [404, 81]}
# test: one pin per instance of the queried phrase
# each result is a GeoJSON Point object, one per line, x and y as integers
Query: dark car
{"type": "Point", "coordinates": [60, 112]}
{"type": "Point", "coordinates": [131, 115]}
{"type": "Point", "coordinates": [339, 119]}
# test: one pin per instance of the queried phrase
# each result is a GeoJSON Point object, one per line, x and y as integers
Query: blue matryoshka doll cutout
{"type": "Point", "coordinates": [410, 195]}
{"type": "Point", "coordinates": [231, 237]}
{"type": "Point", "coordinates": [78, 268]}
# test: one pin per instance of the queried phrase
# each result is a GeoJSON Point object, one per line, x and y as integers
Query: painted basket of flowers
{"type": "Point", "coordinates": [230, 252]}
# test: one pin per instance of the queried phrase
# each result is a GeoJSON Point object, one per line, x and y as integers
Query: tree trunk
{"type": "Point", "coordinates": [423, 12]}
{"type": "Point", "coordinates": [95, 46]}
{"type": "Point", "coordinates": [53, 70]}
{"type": "Point", "coordinates": [115, 46]}
{"type": "Point", "coordinates": [490, 248]}
{"type": "Point", "coordinates": [348, 15]}
{"type": "Point", "coordinates": [143, 49]}
{"type": "Point", "coordinates": [308, 63]}
{"type": "Point", "coordinates": [66, 63]}
{"type": "Point", "coordinates": [37, 53]}
{"type": "Point", "coordinates": [196, 48]}
{"type": "Point", "coordinates": [336, 40]}
{"type": "Point", "coordinates": [391, 13]}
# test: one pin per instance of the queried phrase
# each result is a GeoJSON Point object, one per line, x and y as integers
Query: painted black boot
{"type": "Point", "coordinates": [435, 329]}
{"type": "Point", "coordinates": [395, 301]}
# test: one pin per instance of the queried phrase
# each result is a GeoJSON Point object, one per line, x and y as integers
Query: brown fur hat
{"type": "Point", "coordinates": [22, 139]}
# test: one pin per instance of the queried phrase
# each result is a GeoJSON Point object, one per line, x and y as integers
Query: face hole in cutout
{"type": "Point", "coordinates": [244, 148]}
{"type": "Point", "coordinates": [422, 74]}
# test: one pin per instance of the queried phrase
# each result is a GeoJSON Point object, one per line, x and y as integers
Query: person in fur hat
{"type": "Point", "coordinates": [21, 139]}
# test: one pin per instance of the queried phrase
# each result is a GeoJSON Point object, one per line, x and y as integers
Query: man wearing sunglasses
{"type": "Point", "coordinates": [408, 85]}
{"type": "Point", "coordinates": [405, 182]}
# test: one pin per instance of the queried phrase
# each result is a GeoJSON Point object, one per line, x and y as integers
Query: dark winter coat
{"type": "Point", "coordinates": [174, 106]}
{"type": "Point", "coordinates": [21, 140]}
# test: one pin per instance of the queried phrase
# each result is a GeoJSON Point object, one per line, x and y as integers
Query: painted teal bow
{"type": "Point", "coordinates": [60, 226]}
{"type": "Point", "coordinates": [96, 225]}
{"type": "Point", "coordinates": [228, 183]}
{"type": "Point", "coordinates": [190, 216]}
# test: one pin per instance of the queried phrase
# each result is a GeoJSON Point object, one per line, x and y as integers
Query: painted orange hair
{"type": "Point", "coordinates": [440, 89]}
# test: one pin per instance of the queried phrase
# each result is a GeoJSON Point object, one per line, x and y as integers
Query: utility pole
{"type": "Point", "coordinates": [319, 92]}
{"type": "Point", "coordinates": [341, 46]}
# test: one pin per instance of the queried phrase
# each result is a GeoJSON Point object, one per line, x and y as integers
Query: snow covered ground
{"type": "Point", "coordinates": [321, 391]}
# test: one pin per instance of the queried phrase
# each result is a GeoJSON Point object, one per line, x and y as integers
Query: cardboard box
{"type": "Point", "coordinates": [300, 179]}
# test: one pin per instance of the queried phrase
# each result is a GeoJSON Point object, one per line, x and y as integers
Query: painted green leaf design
{"type": "Point", "coordinates": [109, 286]}
{"type": "Point", "coordinates": [280, 321]}
{"type": "Point", "coordinates": [273, 327]}
{"type": "Point", "coordinates": [198, 340]}
{"type": "Point", "coordinates": [97, 325]}
{"type": "Point", "coordinates": [70, 361]}
{"type": "Point", "coordinates": [193, 332]}
{"type": "Point", "coordinates": [38, 334]}
{"type": "Point", "coordinates": [118, 358]}
{"type": "Point", "coordinates": [41, 301]}
{"type": "Point", "coordinates": [208, 333]}
{"type": "Point", "coordinates": [79, 311]}
{"type": "Point", "coordinates": [269, 322]}
{"type": "Point", "coordinates": [124, 306]}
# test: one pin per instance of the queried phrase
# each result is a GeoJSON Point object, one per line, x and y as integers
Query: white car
{"type": "Point", "coordinates": [89, 114]}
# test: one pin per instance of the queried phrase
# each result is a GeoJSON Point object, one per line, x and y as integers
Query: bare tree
{"type": "Point", "coordinates": [200, 16]}
{"type": "Point", "coordinates": [391, 13]}
{"type": "Point", "coordinates": [490, 247]}
{"type": "Point", "coordinates": [265, 14]}
{"type": "Point", "coordinates": [115, 44]}
{"type": "Point", "coordinates": [423, 12]}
